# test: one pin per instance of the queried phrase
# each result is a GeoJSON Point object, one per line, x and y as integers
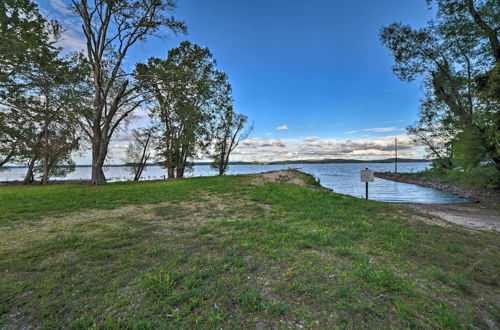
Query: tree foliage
{"type": "Point", "coordinates": [53, 105]}
{"type": "Point", "coordinates": [458, 56]}
{"type": "Point", "coordinates": [187, 91]}
{"type": "Point", "coordinates": [111, 28]}
{"type": "Point", "coordinates": [227, 135]}
{"type": "Point", "coordinates": [34, 85]}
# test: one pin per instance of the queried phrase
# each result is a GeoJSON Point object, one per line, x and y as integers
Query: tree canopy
{"type": "Point", "coordinates": [458, 56]}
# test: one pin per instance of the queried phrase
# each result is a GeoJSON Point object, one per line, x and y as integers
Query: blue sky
{"type": "Point", "coordinates": [314, 69]}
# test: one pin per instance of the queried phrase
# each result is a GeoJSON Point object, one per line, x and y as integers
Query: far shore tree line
{"type": "Point", "coordinates": [458, 57]}
{"type": "Point", "coordinates": [55, 103]}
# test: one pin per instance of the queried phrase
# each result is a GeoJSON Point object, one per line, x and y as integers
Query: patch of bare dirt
{"type": "Point", "coordinates": [282, 176]}
{"type": "Point", "coordinates": [428, 218]}
{"type": "Point", "coordinates": [472, 216]}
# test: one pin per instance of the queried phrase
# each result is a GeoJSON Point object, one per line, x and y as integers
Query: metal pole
{"type": "Point", "coordinates": [366, 188]}
{"type": "Point", "coordinates": [396, 152]}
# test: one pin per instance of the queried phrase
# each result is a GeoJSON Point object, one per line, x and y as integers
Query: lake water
{"type": "Point", "coordinates": [341, 178]}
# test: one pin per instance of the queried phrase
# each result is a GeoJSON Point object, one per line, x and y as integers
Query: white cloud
{"type": "Point", "coordinates": [282, 128]}
{"type": "Point", "coordinates": [259, 142]}
{"type": "Point", "coordinates": [261, 149]}
{"type": "Point", "coordinates": [72, 41]}
{"type": "Point", "coordinates": [258, 149]}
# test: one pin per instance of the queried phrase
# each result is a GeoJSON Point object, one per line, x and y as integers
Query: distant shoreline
{"type": "Point", "coordinates": [285, 162]}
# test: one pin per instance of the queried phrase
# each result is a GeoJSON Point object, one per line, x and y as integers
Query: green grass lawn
{"type": "Point", "coordinates": [235, 251]}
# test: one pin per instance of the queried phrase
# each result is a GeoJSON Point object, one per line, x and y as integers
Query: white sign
{"type": "Point", "coordinates": [366, 175]}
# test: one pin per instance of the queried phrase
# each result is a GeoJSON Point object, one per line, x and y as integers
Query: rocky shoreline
{"type": "Point", "coordinates": [474, 195]}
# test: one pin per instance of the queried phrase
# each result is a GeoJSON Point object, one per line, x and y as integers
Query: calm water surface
{"type": "Point", "coordinates": [341, 178]}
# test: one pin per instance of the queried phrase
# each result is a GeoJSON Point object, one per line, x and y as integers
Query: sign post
{"type": "Point", "coordinates": [366, 176]}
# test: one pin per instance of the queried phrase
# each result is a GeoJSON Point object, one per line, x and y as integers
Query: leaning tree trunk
{"type": "Point", "coordinates": [29, 174]}
{"type": "Point", "coordinates": [7, 158]}
{"type": "Point", "coordinates": [139, 171]}
{"type": "Point", "coordinates": [137, 174]}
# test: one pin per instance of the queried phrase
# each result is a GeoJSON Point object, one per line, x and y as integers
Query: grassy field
{"type": "Point", "coordinates": [235, 251]}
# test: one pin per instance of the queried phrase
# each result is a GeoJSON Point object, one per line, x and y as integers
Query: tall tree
{"type": "Point", "coordinates": [228, 134]}
{"type": "Point", "coordinates": [33, 86]}
{"type": "Point", "coordinates": [186, 91]}
{"type": "Point", "coordinates": [454, 54]}
{"type": "Point", "coordinates": [25, 35]}
{"type": "Point", "coordinates": [111, 28]}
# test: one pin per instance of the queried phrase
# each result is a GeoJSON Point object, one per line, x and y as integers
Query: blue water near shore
{"type": "Point", "coordinates": [341, 178]}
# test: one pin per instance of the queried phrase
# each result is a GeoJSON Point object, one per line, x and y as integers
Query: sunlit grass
{"type": "Point", "coordinates": [228, 252]}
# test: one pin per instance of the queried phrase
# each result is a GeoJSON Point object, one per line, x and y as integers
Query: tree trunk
{"type": "Point", "coordinates": [489, 31]}
{"type": "Point", "coordinates": [222, 165]}
{"type": "Point", "coordinates": [496, 160]}
{"type": "Point", "coordinates": [45, 176]}
{"type": "Point", "coordinates": [99, 152]}
{"type": "Point", "coordinates": [171, 172]}
{"type": "Point", "coordinates": [180, 172]}
{"type": "Point", "coordinates": [29, 175]}
{"type": "Point", "coordinates": [138, 173]}
{"type": "Point", "coordinates": [144, 159]}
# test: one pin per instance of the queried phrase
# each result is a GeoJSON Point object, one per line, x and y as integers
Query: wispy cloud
{"type": "Point", "coordinates": [61, 6]}
{"type": "Point", "coordinates": [72, 41]}
{"type": "Point", "coordinates": [376, 130]}
{"type": "Point", "coordinates": [282, 128]}
{"type": "Point", "coordinates": [72, 38]}
{"type": "Point", "coordinates": [394, 121]}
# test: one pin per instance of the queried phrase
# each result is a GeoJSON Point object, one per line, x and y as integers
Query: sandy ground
{"type": "Point", "coordinates": [471, 215]}
{"type": "Point", "coordinates": [285, 176]}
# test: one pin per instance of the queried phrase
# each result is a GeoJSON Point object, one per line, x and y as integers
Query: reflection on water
{"type": "Point", "coordinates": [341, 178]}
